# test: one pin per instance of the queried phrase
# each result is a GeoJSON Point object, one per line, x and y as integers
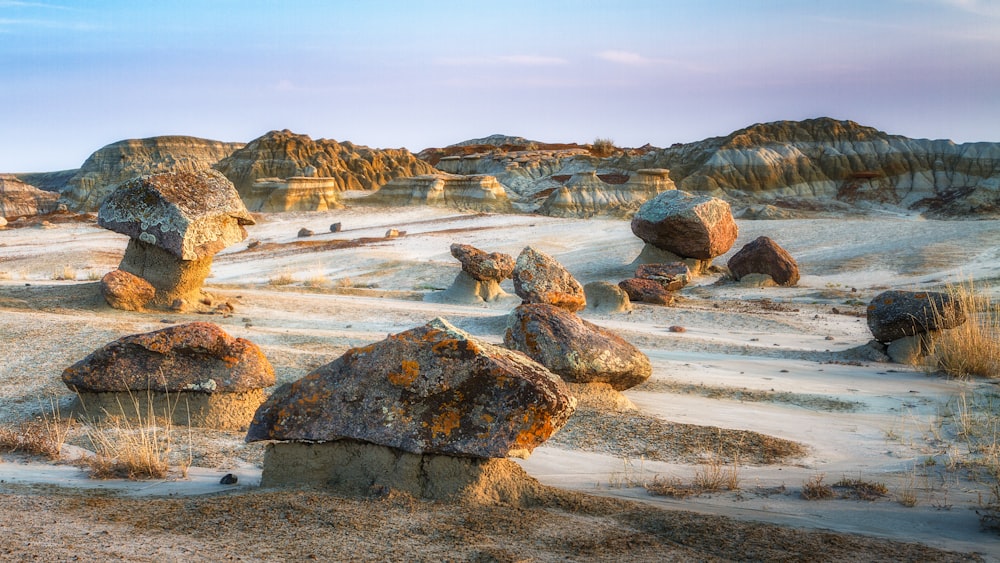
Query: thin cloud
{"type": "Point", "coordinates": [48, 24]}
{"type": "Point", "coordinates": [624, 57]}
{"type": "Point", "coordinates": [18, 4]}
{"type": "Point", "coordinates": [516, 60]}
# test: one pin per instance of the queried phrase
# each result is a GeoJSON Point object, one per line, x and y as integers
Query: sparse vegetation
{"type": "Point", "coordinates": [972, 348]}
{"type": "Point", "coordinates": [318, 281]}
{"type": "Point", "coordinates": [43, 436]}
{"type": "Point", "coordinates": [602, 147]}
{"type": "Point", "coordinates": [67, 273]}
{"type": "Point", "coordinates": [816, 489]}
{"type": "Point", "coordinates": [861, 489]}
{"type": "Point", "coordinates": [282, 278]}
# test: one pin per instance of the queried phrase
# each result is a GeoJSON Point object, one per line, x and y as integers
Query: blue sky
{"type": "Point", "coordinates": [79, 75]}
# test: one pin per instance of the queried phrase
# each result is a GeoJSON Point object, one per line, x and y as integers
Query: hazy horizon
{"type": "Point", "coordinates": [422, 74]}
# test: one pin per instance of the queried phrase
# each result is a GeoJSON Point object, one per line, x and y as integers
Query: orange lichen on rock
{"type": "Point", "coordinates": [408, 373]}
{"type": "Point", "coordinates": [444, 423]}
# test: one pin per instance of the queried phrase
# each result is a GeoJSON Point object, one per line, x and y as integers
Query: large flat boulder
{"type": "Point", "coordinates": [433, 389]}
{"type": "Point", "coordinates": [896, 314]}
{"type": "Point", "coordinates": [690, 226]}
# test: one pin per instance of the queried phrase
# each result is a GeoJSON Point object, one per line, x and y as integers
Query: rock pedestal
{"type": "Point", "coordinates": [690, 226]}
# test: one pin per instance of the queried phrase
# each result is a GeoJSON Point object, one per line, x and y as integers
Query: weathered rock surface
{"type": "Point", "coordinates": [539, 278]}
{"type": "Point", "coordinates": [474, 193]}
{"type": "Point", "coordinates": [606, 297]}
{"type": "Point", "coordinates": [195, 357]}
{"type": "Point", "coordinates": [764, 256]}
{"type": "Point", "coordinates": [575, 349]}
{"type": "Point", "coordinates": [466, 290]}
{"type": "Point", "coordinates": [646, 291]}
{"type": "Point", "coordinates": [896, 314]}
{"type": "Point", "coordinates": [19, 199]}
{"type": "Point", "coordinates": [124, 160]}
{"type": "Point", "coordinates": [587, 194]}
{"type": "Point", "coordinates": [343, 165]}
{"type": "Point", "coordinates": [272, 195]}
{"type": "Point", "coordinates": [687, 225]}
{"type": "Point", "coordinates": [672, 275]}
{"type": "Point", "coordinates": [433, 389]}
{"type": "Point", "coordinates": [126, 291]}
{"type": "Point", "coordinates": [495, 266]}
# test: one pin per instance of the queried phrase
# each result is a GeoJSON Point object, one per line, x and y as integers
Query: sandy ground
{"type": "Point", "coordinates": [777, 362]}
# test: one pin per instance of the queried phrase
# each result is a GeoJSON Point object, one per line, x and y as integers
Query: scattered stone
{"type": "Point", "coordinates": [577, 350]}
{"type": "Point", "coordinates": [764, 256]}
{"type": "Point", "coordinates": [126, 291]}
{"type": "Point", "coordinates": [690, 226]}
{"type": "Point", "coordinates": [392, 233]}
{"type": "Point", "coordinates": [253, 244]}
{"type": "Point", "coordinates": [304, 232]}
{"type": "Point", "coordinates": [3, 222]}
{"type": "Point", "coordinates": [894, 314]}
{"type": "Point", "coordinates": [676, 328]}
{"type": "Point", "coordinates": [433, 389]}
{"type": "Point", "coordinates": [193, 372]}
{"type": "Point", "coordinates": [606, 297]}
{"type": "Point", "coordinates": [539, 278]}
{"type": "Point", "coordinates": [336, 227]}
{"type": "Point", "coordinates": [646, 291]}
{"type": "Point", "coordinates": [672, 276]}
{"type": "Point", "coordinates": [495, 266]}
{"type": "Point", "coordinates": [228, 479]}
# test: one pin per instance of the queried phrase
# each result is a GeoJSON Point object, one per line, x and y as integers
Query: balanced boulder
{"type": "Point", "coordinates": [480, 277]}
{"type": "Point", "coordinates": [577, 350]}
{"type": "Point", "coordinates": [897, 314]}
{"type": "Point", "coordinates": [539, 278]}
{"type": "Point", "coordinates": [764, 256]}
{"type": "Point", "coordinates": [176, 222]}
{"type": "Point", "coordinates": [672, 276]}
{"type": "Point", "coordinates": [190, 373]}
{"type": "Point", "coordinates": [687, 225]}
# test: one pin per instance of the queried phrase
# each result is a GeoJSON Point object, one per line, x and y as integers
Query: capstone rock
{"type": "Point", "coordinates": [641, 290]}
{"type": "Point", "coordinates": [495, 266]}
{"type": "Point", "coordinates": [764, 256]}
{"type": "Point", "coordinates": [690, 226]}
{"type": "Point", "coordinates": [896, 314]}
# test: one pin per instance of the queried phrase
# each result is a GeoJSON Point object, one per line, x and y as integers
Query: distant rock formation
{"type": "Point", "coordinates": [124, 160]}
{"type": "Point", "coordinates": [344, 166]}
{"type": "Point", "coordinates": [473, 193]}
{"type": "Point", "coordinates": [496, 140]}
{"type": "Point", "coordinates": [298, 193]}
{"type": "Point", "coordinates": [18, 199]}
{"type": "Point", "coordinates": [587, 194]}
{"type": "Point", "coordinates": [797, 163]}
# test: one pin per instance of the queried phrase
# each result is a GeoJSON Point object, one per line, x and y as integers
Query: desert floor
{"type": "Point", "coordinates": [753, 364]}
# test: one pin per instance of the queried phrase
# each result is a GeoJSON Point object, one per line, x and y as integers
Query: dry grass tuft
{"type": "Point", "coordinates": [130, 450]}
{"type": "Point", "coordinates": [67, 273]}
{"type": "Point", "coordinates": [861, 489]}
{"type": "Point", "coordinates": [816, 489]}
{"type": "Point", "coordinates": [972, 348]}
{"type": "Point", "coordinates": [602, 147]}
{"type": "Point", "coordinates": [282, 278]}
{"type": "Point", "coordinates": [44, 436]}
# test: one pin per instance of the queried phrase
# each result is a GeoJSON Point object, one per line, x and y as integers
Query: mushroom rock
{"type": "Point", "coordinates": [495, 266]}
{"type": "Point", "coordinates": [192, 372]}
{"type": "Point", "coordinates": [539, 278]}
{"type": "Point", "coordinates": [577, 350]}
{"type": "Point", "coordinates": [690, 226]}
{"type": "Point", "coordinates": [175, 222]}
{"type": "Point", "coordinates": [897, 314]}
{"type": "Point", "coordinates": [764, 256]}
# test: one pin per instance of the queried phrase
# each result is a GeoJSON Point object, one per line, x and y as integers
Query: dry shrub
{"type": "Point", "coordinates": [816, 489]}
{"type": "Point", "coordinates": [127, 449]}
{"type": "Point", "coordinates": [714, 476]}
{"type": "Point", "coordinates": [44, 436]}
{"type": "Point", "coordinates": [283, 278]}
{"type": "Point", "coordinates": [861, 489]}
{"type": "Point", "coordinates": [602, 147]}
{"type": "Point", "coordinates": [972, 348]}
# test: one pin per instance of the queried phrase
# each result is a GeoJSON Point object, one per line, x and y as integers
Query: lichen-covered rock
{"type": "Point", "coordinates": [432, 389]}
{"type": "Point", "coordinates": [577, 350]}
{"type": "Point", "coordinates": [194, 357]}
{"type": "Point", "coordinates": [895, 314]}
{"type": "Point", "coordinates": [190, 215]}
{"type": "Point", "coordinates": [690, 226]}
{"type": "Point", "coordinates": [647, 291]}
{"type": "Point", "coordinates": [764, 256]}
{"type": "Point", "coordinates": [495, 266]}
{"type": "Point", "coordinates": [539, 278]}
{"type": "Point", "coordinates": [126, 291]}
{"type": "Point", "coordinates": [672, 275]}
{"type": "Point", "coordinates": [606, 297]}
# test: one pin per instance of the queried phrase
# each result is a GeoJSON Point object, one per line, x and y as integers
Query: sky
{"type": "Point", "coordinates": [77, 75]}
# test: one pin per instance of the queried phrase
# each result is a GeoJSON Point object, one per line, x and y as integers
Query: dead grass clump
{"type": "Point", "coordinates": [282, 278]}
{"type": "Point", "coordinates": [602, 147]}
{"type": "Point", "coordinates": [67, 273]}
{"type": "Point", "coordinates": [861, 489]}
{"type": "Point", "coordinates": [973, 347]}
{"type": "Point", "coordinates": [816, 489]}
{"type": "Point", "coordinates": [318, 281]}
{"type": "Point", "coordinates": [34, 437]}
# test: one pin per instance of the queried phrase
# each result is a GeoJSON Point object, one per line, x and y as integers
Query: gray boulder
{"type": "Point", "coordinates": [690, 226]}
{"type": "Point", "coordinates": [895, 314]}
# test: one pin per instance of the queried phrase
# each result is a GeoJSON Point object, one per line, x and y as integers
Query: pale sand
{"type": "Point", "coordinates": [856, 418]}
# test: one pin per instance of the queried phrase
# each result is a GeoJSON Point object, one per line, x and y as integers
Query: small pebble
{"type": "Point", "coordinates": [228, 479]}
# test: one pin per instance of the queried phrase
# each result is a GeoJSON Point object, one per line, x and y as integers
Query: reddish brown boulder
{"type": "Point", "coordinates": [430, 390]}
{"type": "Point", "coordinates": [126, 291]}
{"type": "Point", "coordinates": [896, 314]}
{"type": "Point", "coordinates": [690, 226]}
{"type": "Point", "coordinates": [672, 276]}
{"type": "Point", "coordinates": [495, 266]}
{"type": "Point", "coordinates": [539, 278]}
{"type": "Point", "coordinates": [577, 350]}
{"type": "Point", "coordinates": [764, 256]}
{"type": "Point", "coordinates": [647, 291]}
{"type": "Point", "coordinates": [197, 357]}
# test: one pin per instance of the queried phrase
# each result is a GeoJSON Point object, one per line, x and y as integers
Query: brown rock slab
{"type": "Point", "coordinates": [764, 256]}
{"type": "Point", "coordinates": [577, 350]}
{"type": "Point", "coordinates": [194, 357]}
{"type": "Point", "coordinates": [539, 278]}
{"type": "Point", "coordinates": [672, 275]}
{"type": "Point", "coordinates": [433, 389]}
{"type": "Point", "coordinates": [895, 314]}
{"type": "Point", "coordinates": [126, 291]}
{"type": "Point", "coordinates": [647, 291]}
{"type": "Point", "coordinates": [690, 226]}
{"type": "Point", "coordinates": [495, 266]}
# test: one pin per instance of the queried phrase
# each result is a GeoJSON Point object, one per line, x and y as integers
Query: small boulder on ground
{"type": "Point", "coordinates": [606, 297]}
{"type": "Point", "coordinates": [305, 233]}
{"type": "Point", "coordinates": [896, 314]}
{"type": "Point", "coordinates": [126, 291]}
{"type": "Point", "coordinates": [764, 256]}
{"type": "Point", "coordinates": [193, 372]}
{"type": "Point", "coordinates": [672, 276]}
{"type": "Point", "coordinates": [646, 291]}
{"type": "Point", "coordinates": [690, 226]}
{"type": "Point", "coordinates": [539, 278]}
{"type": "Point", "coordinates": [575, 349]}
